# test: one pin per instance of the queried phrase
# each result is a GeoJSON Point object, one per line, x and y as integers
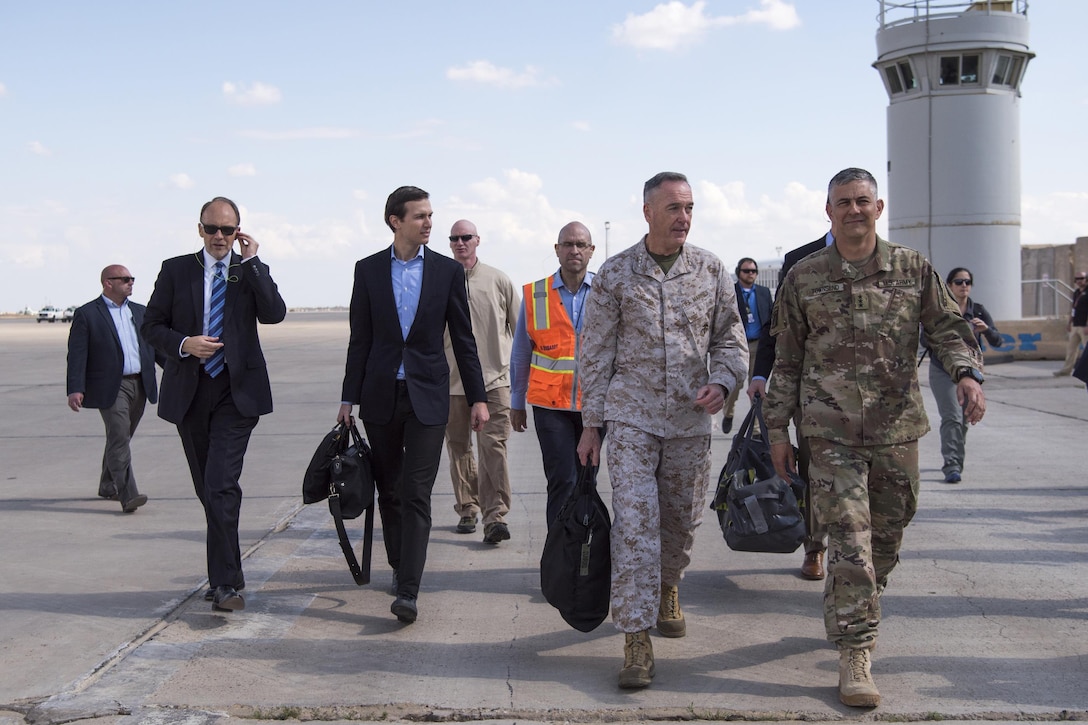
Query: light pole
{"type": "Point", "coordinates": [607, 226]}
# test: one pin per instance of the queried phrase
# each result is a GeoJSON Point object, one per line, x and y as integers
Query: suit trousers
{"type": "Point", "coordinates": [215, 437]}
{"type": "Point", "coordinates": [485, 488]}
{"type": "Point", "coordinates": [659, 490]}
{"type": "Point", "coordinates": [406, 459]}
{"type": "Point", "coordinates": [558, 432]}
{"type": "Point", "coordinates": [121, 420]}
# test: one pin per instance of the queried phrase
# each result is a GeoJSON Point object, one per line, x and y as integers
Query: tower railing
{"type": "Point", "coordinates": [902, 12]}
{"type": "Point", "coordinates": [1040, 295]}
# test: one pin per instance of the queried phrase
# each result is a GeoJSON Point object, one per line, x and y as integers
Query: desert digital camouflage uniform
{"type": "Point", "coordinates": [846, 343]}
{"type": "Point", "coordinates": [650, 341]}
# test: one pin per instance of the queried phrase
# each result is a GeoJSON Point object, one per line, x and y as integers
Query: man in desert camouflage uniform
{"type": "Point", "coordinates": [662, 346]}
{"type": "Point", "coordinates": [846, 324]}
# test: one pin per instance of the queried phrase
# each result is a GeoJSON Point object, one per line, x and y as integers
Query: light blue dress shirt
{"type": "Point", "coordinates": [407, 283]}
{"type": "Point", "coordinates": [126, 331]}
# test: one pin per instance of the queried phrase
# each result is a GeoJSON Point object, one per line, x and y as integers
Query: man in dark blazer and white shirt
{"type": "Point", "coordinates": [813, 565]}
{"type": "Point", "coordinates": [215, 401]}
{"type": "Point", "coordinates": [396, 372]}
{"type": "Point", "coordinates": [754, 305]}
{"type": "Point", "coordinates": [110, 367]}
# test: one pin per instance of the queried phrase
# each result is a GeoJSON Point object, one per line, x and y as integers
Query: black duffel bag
{"type": "Point", "coordinates": [757, 509]}
{"type": "Point", "coordinates": [576, 565]}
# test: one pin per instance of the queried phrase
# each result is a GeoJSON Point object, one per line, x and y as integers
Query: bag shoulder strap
{"type": "Point", "coordinates": [361, 574]}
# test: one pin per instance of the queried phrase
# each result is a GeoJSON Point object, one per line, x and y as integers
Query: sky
{"type": "Point", "coordinates": [118, 120]}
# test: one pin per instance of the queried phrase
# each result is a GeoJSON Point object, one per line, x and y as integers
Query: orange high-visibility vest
{"type": "Point", "coordinates": [553, 369]}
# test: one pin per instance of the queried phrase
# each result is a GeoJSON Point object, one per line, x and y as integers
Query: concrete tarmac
{"type": "Point", "coordinates": [102, 617]}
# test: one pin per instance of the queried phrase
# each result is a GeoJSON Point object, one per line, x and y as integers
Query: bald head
{"type": "Point", "coordinates": [463, 242]}
{"type": "Point", "coordinates": [574, 249]}
{"type": "Point", "coordinates": [116, 283]}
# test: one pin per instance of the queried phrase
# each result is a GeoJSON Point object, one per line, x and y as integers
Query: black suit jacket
{"type": "Point", "coordinates": [377, 347]}
{"type": "Point", "coordinates": [765, 353]}
{"type": "Point", "coordinates": [95, 357]}
{"type": "Point", "coordinates": [763, 304]}
{"type": "Point", "coordinates": [176, 311]}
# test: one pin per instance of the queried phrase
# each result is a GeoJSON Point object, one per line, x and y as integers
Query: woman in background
{"type": "Point", "coordinates": [953, 426]}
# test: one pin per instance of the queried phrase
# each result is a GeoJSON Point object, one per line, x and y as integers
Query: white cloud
{"type": "Point", "coordinates": [182, 181]}
{"type": "Point", "coordinates": [242, 170]}
{"type": "Point", "coordinates": [317, 133]}
{"type": "Point", "coordinates": [1055, 218]}
{"type": "Point", "coordinates": [486, 73]}
{"type": "Point", "coordinates": [580, 125]}
{"type": "Point", "coordinates": [257, 94]}
{"type": "Point", "coordinates": [3, 90]}
{"type": "Point", "coordinates": [38, 148]}
{"type": "Point", "coordinates": [672, 25]}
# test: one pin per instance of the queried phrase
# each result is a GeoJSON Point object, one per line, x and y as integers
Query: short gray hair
{"type": "Point", "coordinates": [658, 179]}
{"type": "Point", "coordinates": [847, 176]}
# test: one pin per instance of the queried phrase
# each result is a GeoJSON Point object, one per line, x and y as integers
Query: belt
{"type": "Point", "coordinates": [134, 376]}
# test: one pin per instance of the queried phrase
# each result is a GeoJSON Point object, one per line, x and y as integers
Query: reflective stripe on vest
{"type": "Point", "coordinates": [553, 370]}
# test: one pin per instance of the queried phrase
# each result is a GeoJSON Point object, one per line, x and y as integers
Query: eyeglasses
{"type": "Point", "coordinates": [126, 280]}
{"type": "Point", "coordinates": [1079, 279]}
{"type": "Point", "coordinates": [961, 282]}
{"type": "Point", "coordinates": [461, 238]}
{"type": "Point", "coordinates": [749, 271]}
{"type": "Point", "coordinates": [574, 245]}
{"type": "Point", "coordinates": [211, 229]}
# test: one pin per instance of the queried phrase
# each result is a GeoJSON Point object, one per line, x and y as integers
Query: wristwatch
{"type": "Point", "coordinates": [966, 372]}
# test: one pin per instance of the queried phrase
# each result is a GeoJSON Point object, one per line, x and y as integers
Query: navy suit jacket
{"type": "Point", "coordinates": [377, 347]}
{"type": "Point", "coordinates": [96, 359]}
{"type": "Point", "coordinates": [765, 353]}
{"type": "Point", "coordinates": [763, 304]}
{"type": "Point", "coordinates": [176, 311]}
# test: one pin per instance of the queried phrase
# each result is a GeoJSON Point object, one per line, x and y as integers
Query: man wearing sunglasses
{"type": "Point", "coordinates": [1077, 325]}
{"type": "Point", "coordinates": [493, 308]}
{"type": "Point", "coordinates": [111, 368]}
{"type": "Point", "coordinates": [203, 318]}
{"type": "Point", "coordinates": [754, 303]}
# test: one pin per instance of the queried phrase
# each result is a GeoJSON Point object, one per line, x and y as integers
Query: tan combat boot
{"type": "Point", "coordinates": [670, 620]}
{"type": "Point", "coordinates": [638, 660]}
{"type": "Point", "coordinates": [856, 686]}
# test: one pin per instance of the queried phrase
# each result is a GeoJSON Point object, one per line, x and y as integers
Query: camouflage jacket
{"type": "Point", "coordinates": [846, 349]}
{"type": "Point", "coordinates": [651, 340]}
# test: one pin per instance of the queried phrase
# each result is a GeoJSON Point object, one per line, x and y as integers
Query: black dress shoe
{"type": "Point", "coordinates": [210, 592]}
{"type": "Point", "coordinates": [405, 609]}
{"type": "Point", "coordinates": [227, 599]}
{"type": "Point", "coordinates": [133, 503]}
{"type": "Point", "coordinates": [727, 424]}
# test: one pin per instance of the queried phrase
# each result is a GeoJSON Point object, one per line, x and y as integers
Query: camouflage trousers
{"type": "Point", "coordinates": [659, 490]}
{"type": "Point", "coordinates": [865, 496]}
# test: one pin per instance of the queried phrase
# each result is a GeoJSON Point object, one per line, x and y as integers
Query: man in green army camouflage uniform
{"type": "Point", "coordinates": [662, 346]}
{"type": "Point", "coordinates": [846, 324]}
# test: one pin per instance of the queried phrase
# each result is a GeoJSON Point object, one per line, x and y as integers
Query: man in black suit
{"type": "Point", "coordinates": [203, 317]}
{"type": "Point", "coordinates": [754, 304]}
{"type": "Point", "coordinates": [397, 374]}
{"type": "Point", "coordinates": [813, 565]}
{"type": "Point", "coordinates": [111, 368]}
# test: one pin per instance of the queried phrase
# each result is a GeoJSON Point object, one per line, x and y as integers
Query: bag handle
{"type": "Point", "coordinates": [747, 428]}
{"type": "Point", "coordinates": [361, 574]}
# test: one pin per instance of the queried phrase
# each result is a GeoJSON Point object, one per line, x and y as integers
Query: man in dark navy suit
{"type": "Point", "coordinates": [404, 298]}
{"type": "Point", "coordinates": [203, 317]}
{"type": "Point", "coordinates": [815, 539]}
{"type": "Point", "coordinates": [111, 368]}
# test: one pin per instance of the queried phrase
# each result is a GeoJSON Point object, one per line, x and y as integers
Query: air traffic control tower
{"type": "Point", "coordinates": [953, 72]}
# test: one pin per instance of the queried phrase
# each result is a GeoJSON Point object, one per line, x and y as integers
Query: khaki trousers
{"type": "Point", "coordinates": [484, 489]}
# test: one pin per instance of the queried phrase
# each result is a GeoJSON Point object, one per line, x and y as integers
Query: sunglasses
{"type": "Point", "coordinates": [1079, 279]}
{"type": "Point", "coordinates": [749, 271]}
{"type": "Point", "coordinates": [126, 280]}
{"type": "Point", "coordinates": [962, 282]}
{"type": "Point", "coordinates": [461, 238]}
{"type": "Point", "coordinates": [211, 229]}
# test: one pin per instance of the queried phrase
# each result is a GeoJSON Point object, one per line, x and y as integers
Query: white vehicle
{"type": "Point", "coordinates": [48, 314]}
{"type": "Point", "coordinates": [69, 313]}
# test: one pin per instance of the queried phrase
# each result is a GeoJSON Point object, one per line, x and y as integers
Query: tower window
{"type": "Point", "coordinates": [957, 69]}
{"type": "Point", "coordinates": [900, 77]}
{"type": "Point", "coordinates": [894, 83]}
{"type": "Point", "coordinates": [909, 81]}
{"type": "Point", "coordinates": [1007, 70]}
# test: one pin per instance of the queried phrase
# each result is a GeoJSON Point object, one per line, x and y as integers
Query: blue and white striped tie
{"type": "Point", "coordinates": [214, 365]}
